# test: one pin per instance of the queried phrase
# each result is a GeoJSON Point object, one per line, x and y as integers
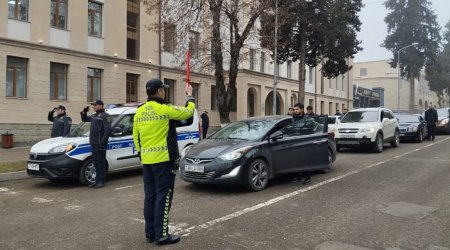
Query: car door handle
{"type": "Point", "coordinates": [320, 141]}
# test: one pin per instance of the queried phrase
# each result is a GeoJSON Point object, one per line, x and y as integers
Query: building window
{"type": "Point", "coordinates": [213, 98]}
{"type": "Point", "coordinates": [94, 19]}
{"type": "Point", "coordinates": [194, 43]}
{"type": "Point", "coordinates": [363, 72]}
{"type": "Point", "coordinates": [58, 81]}
{"type": "Point", "coordinates": [16, 77]}
{"type": "Point", "coordinates": [263, 62]}
{"type": "Point", "coordinates": [252, 59]}
{"type": "Point", "coordinates": [195, 91]}
{"type": "Point", "coordinates": [289, 69]}
{"type": "Point", "coordinates": [311, 74]}
{"type": "Point", "coordinates": [133, 31]}
{"type": "Point", "coordinates": [169, 37]}
{"type": "Point", "coordinates": [58, 14]}
{"type": "Point", "coordinates": [170, 94]}
{"type": "Point", "coordinates": [18, 9]}
{"type": "Point", "coordinates": [132, 88]}
{"type": "Point", "coordinates": [94, 83]}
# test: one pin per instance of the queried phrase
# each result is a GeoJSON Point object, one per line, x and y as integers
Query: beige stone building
{"type": "Point", "coordinates": [397, 93]}
{"type": "Point", "coordinates": [72, 52]}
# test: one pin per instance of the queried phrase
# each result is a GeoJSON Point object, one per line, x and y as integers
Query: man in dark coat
{"type": "Point", "coordinates": [205, 123]}
{"type": "Point", "coordinates": [431, 117]}
{"type": "Point", "coordinates": [98, 138]}
{"type": "Point", "coordinates": [61, 122]}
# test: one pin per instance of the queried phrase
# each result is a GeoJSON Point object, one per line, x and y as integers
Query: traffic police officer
{"type": "Point", "coordinates": [61, 122]}
{"type": "Point", "coordinates": [154, 134]}
{"type": "Point", "coordinates": [98, 138]}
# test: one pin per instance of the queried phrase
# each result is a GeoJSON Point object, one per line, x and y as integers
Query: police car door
{"type": "Point", "coordinates": [121, 148]}
{"type": "Point", "coordinates": [188, 132]}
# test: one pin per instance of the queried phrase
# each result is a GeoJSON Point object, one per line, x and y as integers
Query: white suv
{"type": "Point", "coordinates": [70, 157]}
{"type": "Point", "coordinates": [367, 127]}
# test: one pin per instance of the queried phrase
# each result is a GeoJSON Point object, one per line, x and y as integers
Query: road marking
{"type": "Point", "coordinates": [73, 207]}
{"type": "Point", "coordinates": [188, 231]}
{"type": "Point", "coordinates": [125, 187]}
{"type": "Point", "coordinates": [40, 200]}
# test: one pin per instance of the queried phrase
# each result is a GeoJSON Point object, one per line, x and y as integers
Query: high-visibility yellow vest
{"type": "Point", "coordinates": [151, 127]}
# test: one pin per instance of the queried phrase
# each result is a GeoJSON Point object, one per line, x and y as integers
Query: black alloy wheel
{"type": "Point", "coordinates": [257, 175]}
{"type": "Point", "coordinates": [87, 173]}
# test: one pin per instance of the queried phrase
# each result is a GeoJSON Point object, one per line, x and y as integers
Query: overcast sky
{"type": "Point", "coordinates": [374, 31]}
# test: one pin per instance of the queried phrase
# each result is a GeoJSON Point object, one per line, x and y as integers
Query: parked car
{"type": "Point", "coordinates": [252, 151]}
{"type": "Point", "coordinates": [443, 125]}
{"type": "Point", "coordinates": [332, 121]}
{"type": "Point", "coordinates": [412, 127]}
{"type": "Point", "coordinates": [371, 127]}
{"type": "Point", "coordinates": [70, 157]}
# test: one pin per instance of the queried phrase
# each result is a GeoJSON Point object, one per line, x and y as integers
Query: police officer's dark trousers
{"type": "Point", "coordinates": [99, 160]}
{"type": "Point", "coordinates": [204, 131]}
{"type": "Point", "coordinates": [431, 131]}
{"type": "Point", "coordinates": [159, 180]}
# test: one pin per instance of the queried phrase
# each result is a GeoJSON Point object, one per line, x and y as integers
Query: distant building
{"type": "Point", "coordinates": [367, 98]}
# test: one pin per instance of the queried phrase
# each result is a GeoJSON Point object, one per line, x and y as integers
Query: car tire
{"type": "Point", "coordinates": [419, 137]}
{"type": "Point", "coordinates": [87, 173]}
{"type": "Point", "coordinates": [378, 145]}
{"type": "Point", "coordinates": [396, 141]}
{"type": "Point", "coordinates": [257, 175]}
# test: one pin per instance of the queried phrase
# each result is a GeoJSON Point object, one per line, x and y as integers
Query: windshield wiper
{"type": "Point", "coordinates": [237, 138]}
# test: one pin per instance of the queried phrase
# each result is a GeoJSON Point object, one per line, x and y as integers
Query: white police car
{"type": "Point", "coordinates": [70, 157]}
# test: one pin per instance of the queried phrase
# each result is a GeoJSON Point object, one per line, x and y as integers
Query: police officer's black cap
{"type": "Point", "coordinates": [61, 107]}
{"type": "Point", "coordinates": [98, 102]}
{"type": "Point", "coordinates": [155, 84]}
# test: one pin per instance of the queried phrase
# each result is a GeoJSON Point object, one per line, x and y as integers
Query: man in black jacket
{"type": "Point", "coordinates": [98, 138]}
{"type": "Point", "coordinates": [431, 117]}
{"type": "Point", "coordinates": [61, 122]}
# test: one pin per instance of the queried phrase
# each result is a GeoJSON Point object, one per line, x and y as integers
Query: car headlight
{"type": "Point", "coordinates": [235, 154]}
{"type": "Point", "coordinates": [413, 128]}
{"type": "Point", "coordinates": [63, 148]}
{"type": "Point", "coordinates": [185, 151]}
{"type": "Point", "coordinates": [369, 130]}
{"type": "Point", "coordinates": [444, 122]}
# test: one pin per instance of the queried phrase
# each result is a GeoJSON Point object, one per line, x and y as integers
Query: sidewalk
{"type": "Point", "coordinates": [11, 156]}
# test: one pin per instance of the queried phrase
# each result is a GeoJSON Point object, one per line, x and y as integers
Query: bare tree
{"type": "Point", "coordinates": [225, 26]}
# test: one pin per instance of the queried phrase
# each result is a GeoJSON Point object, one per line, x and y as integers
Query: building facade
{"type": "Point", "coordinates": [72, 52]}
{"type": "Point", "coordinates": [397, 91]}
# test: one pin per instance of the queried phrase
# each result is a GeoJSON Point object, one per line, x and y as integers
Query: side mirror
{"type": "Point", "coordinates": [385, 120]}
{"type": "Point", "coordinates": [421, 119]}
{"type": "Point", "coordinates": [116, 131]}
{"type": "Point", "coordinates": [276, 136]}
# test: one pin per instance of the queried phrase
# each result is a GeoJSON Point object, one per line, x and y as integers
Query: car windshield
{"type": "Point", "coordinates": [360, 116]}
{"type": "Point", "coordinates": [408, 118]}
{"type": "Point", "coordinates": [442, 112]}
{"type": "Point", "coordinates": [245, 130]}
{"type": "Point", "coordinates": [82, 129]}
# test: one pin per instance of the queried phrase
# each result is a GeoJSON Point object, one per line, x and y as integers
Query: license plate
{"type": "Point", "coordinates": [33, 166]}
{"type": "Point", "coordinates": [194, 168]}
{"type": "Point", "coordinates": [348, 142]}
{"type": "Point", "coordinates": [348, 136]}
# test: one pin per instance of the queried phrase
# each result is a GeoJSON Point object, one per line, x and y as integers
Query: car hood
{"type": "Point", "coordinates": [210, 148]}
{"type": "Point", "coordinates": [43, 147]}
{"type": "Point", "coordinates": [408, 124]}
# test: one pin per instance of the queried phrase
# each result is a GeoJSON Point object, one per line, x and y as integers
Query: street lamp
{"type": "Point", "coordinates": [398, 73]}
{"type": "Point", "coordinates": [274, 110]}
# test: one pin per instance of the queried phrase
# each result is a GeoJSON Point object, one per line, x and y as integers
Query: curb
{"type": "Point", "coordinates": [14, 176]}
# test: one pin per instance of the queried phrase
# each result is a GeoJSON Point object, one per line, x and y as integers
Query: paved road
{"type": "Point", "coordinates": [399, 199]}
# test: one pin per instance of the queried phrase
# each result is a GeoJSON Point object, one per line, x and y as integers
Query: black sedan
{"type": "Point", "coordinates": [412, 127]}
{"type": "Point", "coordinates": [443, 125]}
{"type": "Point", "coordinates": [252, 151]}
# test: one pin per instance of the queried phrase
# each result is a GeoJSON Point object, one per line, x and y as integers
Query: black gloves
{"type": "Point", "coordinates": [54, 109]}
{"type": "Point", "coordinates": [86, 109]}
{"type": "Point", "coordinates": [102, 148]}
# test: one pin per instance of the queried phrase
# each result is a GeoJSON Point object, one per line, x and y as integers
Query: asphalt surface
{"type": "Point", "coordinates": [398, 199]}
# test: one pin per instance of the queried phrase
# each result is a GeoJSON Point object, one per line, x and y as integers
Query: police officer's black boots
{"type": "Point", "coordinates": [171, 239]}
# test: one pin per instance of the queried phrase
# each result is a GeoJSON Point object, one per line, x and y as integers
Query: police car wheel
{"type": "Point", "coordinates": [87, 173]}
{"type": "Point", "coordinates": [257, 175]}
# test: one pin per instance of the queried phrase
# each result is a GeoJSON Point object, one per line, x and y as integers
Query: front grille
{"type": "Point", "coordinates": [403, 130]}
{"type": "Point", "coordinates": [44, 157]}
{"type": "Point", "coordinates": [348, 130]}
{"type": "Point", "coordinates": [198, 160]}
{"type": "Point", "coordinates": [194, 175]}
